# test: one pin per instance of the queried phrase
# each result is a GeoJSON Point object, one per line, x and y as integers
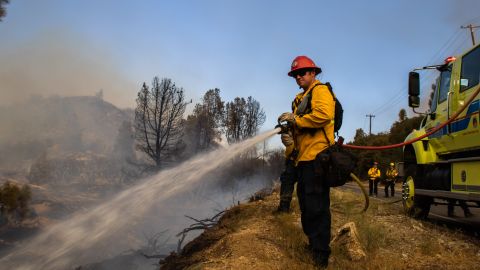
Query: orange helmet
{"type": "Point", "coordinates": [301, 62]}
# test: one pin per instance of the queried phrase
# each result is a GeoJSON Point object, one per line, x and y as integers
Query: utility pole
{"type": "Point", "coordinates": [370, 116]}
{"type": "Point", "coordinates": [472, 34]}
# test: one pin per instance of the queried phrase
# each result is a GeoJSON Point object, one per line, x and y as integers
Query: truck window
{"type": "Point", "coordinates": [444, 86]}
{"type": "Point", "coordinates": [433, 105]}
{"type": "Point", "coordinates": [434, 96]}
{"type": "Point", "coordinates": [470, 69]}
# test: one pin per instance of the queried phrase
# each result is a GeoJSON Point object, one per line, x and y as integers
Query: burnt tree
{"type": "Point", "coordinates": [254, 117]}
{"type": "Point", "coordinates": [158, 120]}
{"type": "Point", "coordinates": [234, 119]}
{"type": "Point", "coordinates": [243, 119]}
{"type": "Point", "coordinates": [203, 125]}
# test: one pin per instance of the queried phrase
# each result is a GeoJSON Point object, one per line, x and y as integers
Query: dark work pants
{"type": "Point", "coordinates": [461, 203]}
{"type": "Point", "coordinates": [287, 184]}
{"type": "Point", "coordinates": [390, 184]}
{"type": "Point", "coordinates": [373, 186]}
{"type": "Point", "coordinates": [314, 199]}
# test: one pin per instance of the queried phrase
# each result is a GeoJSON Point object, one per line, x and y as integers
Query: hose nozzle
{"type": "Point", "coordinates": [285, 127]}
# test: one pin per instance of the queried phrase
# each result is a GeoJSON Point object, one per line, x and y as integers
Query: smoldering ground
{"type": "Point", "coordinates": [113, 226]}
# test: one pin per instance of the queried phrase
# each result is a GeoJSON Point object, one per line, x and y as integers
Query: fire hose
{"type": "Point", "coordinates": [384, 147]}
{"type": "Point", "coordinates": [437, 128]}
{"type": "Point", "coordinates": [367, 201]}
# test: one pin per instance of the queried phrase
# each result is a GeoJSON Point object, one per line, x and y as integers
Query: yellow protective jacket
{"type": "Point", "coordinates": [308, 135]}
{"type": "Point", "coordinates": [374, 173]}
{"type": "Point", "coordinates": [391, 174]}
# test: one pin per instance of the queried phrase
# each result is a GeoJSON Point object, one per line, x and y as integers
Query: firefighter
{"type": "Point", "coordinates": [287, 178]}
{"type": "Point", "coordinates": [373, 178]}
{"type": "Point", "coordinates": [391, 175]}
{"type": "Point", "coordinates": [312, 121]}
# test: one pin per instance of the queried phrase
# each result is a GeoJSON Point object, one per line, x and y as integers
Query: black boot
{"type": "Point", "coordinates": [320, 259]}
{"type": "Point", "coordinates": [466, 210]}
{"type": "Point", "coordinates": [283, 207]}
{"type": "Point", "coordinates": [450, 210]}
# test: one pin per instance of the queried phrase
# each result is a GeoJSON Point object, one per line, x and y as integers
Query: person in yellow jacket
{"type": "Point", "coordinates": [373, 178]}
{"type": "Point", "coordinates": [391, 175]}
{"type": "Point", "coordinates": [312, 123]}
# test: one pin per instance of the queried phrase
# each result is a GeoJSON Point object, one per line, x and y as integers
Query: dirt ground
{"type": "Point", "coordinates": [252, 236]}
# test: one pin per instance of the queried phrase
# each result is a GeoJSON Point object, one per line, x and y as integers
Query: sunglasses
{"type": "Point", "coordinates": [300, 73]}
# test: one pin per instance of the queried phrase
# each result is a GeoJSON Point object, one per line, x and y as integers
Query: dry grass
{"type": "Point", "coordinates": [250, 236]}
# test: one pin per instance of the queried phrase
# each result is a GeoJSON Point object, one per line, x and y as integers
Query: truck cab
{"type": "Point", "coordinates": [445, 165]}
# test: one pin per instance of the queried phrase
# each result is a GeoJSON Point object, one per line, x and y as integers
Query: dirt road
{"type": "Point", "coordinates": [438, 212]}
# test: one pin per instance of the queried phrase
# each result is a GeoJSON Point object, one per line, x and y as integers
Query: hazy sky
{"type": "Point", "coordinates": [365, 48]}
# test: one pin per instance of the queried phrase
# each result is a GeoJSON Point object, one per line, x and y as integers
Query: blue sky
{"type": "Point", "coordinates": [365, 48]}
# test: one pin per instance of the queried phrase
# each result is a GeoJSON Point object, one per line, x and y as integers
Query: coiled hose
{"type": "Point", "coordinates": [367, 200]}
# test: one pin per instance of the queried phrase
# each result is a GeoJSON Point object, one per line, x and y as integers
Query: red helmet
{"type": "Point", "coordinates": [301, 62]}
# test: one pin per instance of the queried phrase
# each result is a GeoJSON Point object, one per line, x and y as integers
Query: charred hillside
{"type": "Point", "coordinates": [58, 126]}
{"type": "Point", "coordinates": [69, 123]}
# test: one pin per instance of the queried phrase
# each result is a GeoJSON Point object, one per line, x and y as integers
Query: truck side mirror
{"type": "Point", "coordinates": [414, 101]}
{"type": "Point", "coordinates": [413, 84]}
{"type": "Point", "coordinates": [413, 89]}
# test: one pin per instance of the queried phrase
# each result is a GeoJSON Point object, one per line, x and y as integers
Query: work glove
{"type": "Point", "coordinates": [287, 139]}
{"type": "Point", "coordinates": [287, 117]}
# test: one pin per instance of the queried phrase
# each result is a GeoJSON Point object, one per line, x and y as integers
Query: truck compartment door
{"type": "Point", "coordinates": [466, 176]}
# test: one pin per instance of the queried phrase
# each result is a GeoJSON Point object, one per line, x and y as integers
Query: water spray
{"type": "Point", "coordinates": [87, 236]}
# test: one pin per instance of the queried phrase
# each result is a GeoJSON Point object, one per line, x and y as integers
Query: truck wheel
{"type": "Point", "coordinates": [414, 205]}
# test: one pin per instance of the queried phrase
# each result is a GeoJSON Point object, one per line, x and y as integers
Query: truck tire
{"type": "Point", "coordinates": [414, 205]}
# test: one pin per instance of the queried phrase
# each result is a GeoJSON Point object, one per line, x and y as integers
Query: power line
{"type": "Point", "coordinates": [401, 95]}
{"type": "Point", "coordinates": [472, 34]}
{"type": "Point", "coordinates": [446, 48]}
{"type": "Point", "coordinates": [393, 101]}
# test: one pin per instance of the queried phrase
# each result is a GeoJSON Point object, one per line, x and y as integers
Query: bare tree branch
{"type": "Point", "coordinates": [157, 116]}
{"type": "Point", "coordinates": [202, 224]}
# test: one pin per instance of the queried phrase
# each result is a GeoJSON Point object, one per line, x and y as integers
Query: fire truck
{"type": "Point", "coordinates": [444, 166]}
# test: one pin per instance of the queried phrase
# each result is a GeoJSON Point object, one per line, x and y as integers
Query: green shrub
{"type": "Point", "coordinates": [14, 200]}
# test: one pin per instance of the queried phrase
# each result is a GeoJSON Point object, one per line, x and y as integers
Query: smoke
{"type": "Point", "coordinates": [53, 64]}
{"type": "Point", "coordinates": [105, 229]}
{"type": "Point", "coordinates": [57, 63]}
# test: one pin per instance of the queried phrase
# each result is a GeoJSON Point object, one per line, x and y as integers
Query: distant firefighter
{"type": "Point", "coordinates": [391, 176]}
{"type": "Point", "coordinates": [373, 178]}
